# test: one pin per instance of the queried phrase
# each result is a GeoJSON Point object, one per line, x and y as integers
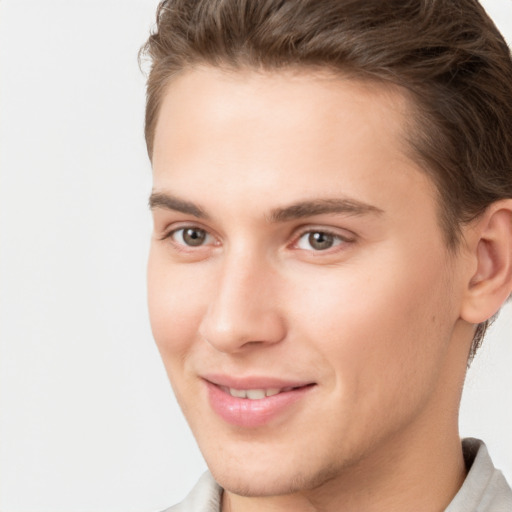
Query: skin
{"type": "Point", "coordinates": [376, 321]}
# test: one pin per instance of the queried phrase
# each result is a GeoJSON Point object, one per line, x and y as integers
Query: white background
{"type": "Point", "coordinates": [87, 419]}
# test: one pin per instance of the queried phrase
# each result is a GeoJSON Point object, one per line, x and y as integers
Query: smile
{"type": "Point", "coordinates": [255, 394]}
{"type": "Point", "coordinates": [250, 407]}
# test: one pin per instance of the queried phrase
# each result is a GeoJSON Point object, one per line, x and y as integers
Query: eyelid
{"type": "Point", "coordinates": [344, 238]}
{"type": "Point", "coordinates": [180, 226]}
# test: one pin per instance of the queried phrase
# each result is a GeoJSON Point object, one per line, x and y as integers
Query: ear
{"type": "Point", "coordinates": [490, 246]}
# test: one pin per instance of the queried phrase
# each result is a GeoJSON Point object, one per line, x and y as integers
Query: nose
{"type": "Point", "coordinates": [244, 311]}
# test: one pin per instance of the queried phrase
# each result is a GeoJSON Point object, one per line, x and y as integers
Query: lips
{"type": "Point", "coordinates": [253, 394]}
{"type": "Point", "coordinates": [253, 402]}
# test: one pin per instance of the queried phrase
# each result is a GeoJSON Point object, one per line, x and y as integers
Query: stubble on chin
{"type": "Point", "coordinates": [285, 485]}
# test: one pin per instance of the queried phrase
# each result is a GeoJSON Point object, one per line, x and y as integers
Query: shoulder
{"type": "Point", "coordinates": [204, 497]}
{"type": "Point", "coordinates": [485, 488]}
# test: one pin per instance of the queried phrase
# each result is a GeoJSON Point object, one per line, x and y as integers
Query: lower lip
{"type": "Point", "coordinates": [244, 412]}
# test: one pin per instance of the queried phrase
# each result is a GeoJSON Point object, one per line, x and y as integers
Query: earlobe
{"type": "Point", "coordinates": [490, 284]}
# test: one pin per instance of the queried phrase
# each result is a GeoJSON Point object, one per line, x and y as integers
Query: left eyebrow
{"type": "Point", "coordinates": [322, 206]}
{"type": "Point", "coordinates": [170, 202]}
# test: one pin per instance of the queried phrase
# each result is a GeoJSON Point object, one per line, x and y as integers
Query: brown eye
{"type": "Point", "coordinates": [192, 237]}
{"type": "Point", "coordinates": [318, 241]}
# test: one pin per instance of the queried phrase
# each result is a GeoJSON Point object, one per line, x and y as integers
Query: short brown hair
{"type": "Point", "coordinates": [447, 54]}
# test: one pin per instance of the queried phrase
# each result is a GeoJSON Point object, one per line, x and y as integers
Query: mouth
{"type": "Point", "coordinates": [258, 394]}
{"type": "Point", "coordinates": [255, 402]}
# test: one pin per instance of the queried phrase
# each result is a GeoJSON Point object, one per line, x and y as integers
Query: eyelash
{"type": "Point", "coordinates": [181, 246]}
{"type": "Point", "coordinates": [338, 240]}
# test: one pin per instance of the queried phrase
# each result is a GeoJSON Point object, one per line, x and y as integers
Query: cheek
{"type": "Point", "coordinates": [376, 332]}
{"type": "Point", "coordinates": [377, 322]}
{"type": "Point", "coordinates": [176, 301]}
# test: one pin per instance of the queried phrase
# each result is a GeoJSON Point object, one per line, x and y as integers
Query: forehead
{"type": "Point", "coordinates": [311, 99]}
{"type": "Point", "coordinates": [294, 131]}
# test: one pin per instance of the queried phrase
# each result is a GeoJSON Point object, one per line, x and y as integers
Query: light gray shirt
{"type": "Point", "coordinates": [484, 489]}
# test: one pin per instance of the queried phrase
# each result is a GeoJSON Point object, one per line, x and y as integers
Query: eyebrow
{"type": "Point", "coordinates": [298, 210]}
{"type": "Point", "coordinates": [170, 202]}
{"type": "Point", "coordinates": [303, 209]}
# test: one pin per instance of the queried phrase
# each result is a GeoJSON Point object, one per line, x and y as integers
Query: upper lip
{"type": "Point", "coordinates": [254, 382]}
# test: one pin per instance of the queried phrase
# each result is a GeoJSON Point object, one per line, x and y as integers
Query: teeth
{"type": "Point", "coordinates": [254, 394]}
{"type": "Point", "coordinates": [239, 393]}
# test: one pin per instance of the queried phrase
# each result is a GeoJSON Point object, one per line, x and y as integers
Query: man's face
{"type": "Point", "coordinates": [297, 254]}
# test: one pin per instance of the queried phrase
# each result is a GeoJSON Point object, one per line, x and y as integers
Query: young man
{"type": "Point", "coordinates": [332, 210]}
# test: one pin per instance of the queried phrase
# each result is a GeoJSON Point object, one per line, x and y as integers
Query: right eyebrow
{"type": "Point", "coordinates": [170, 202]}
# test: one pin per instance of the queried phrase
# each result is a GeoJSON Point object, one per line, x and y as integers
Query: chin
{"type": "Point", "coordinates": [249, 485]}
{"type": "Point", "coordinates": [276, 479]}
